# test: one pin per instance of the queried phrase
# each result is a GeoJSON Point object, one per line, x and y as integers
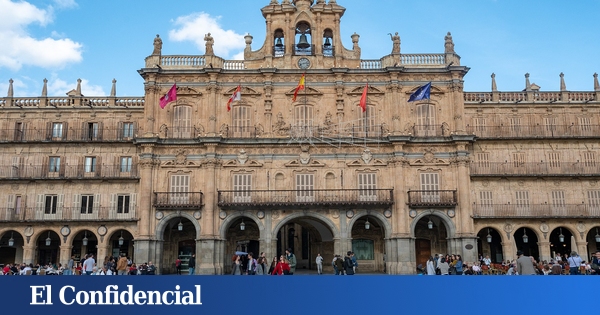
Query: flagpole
{"type": "Point", "coordinates": [366, 120]}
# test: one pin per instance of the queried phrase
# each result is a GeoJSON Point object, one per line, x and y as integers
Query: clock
{"type": "Point", "coordinates": [65, 231]}
{"type": "Point", "coordinates": [102, 230]}
{"type": "Point", "coordinates": [304, 63]}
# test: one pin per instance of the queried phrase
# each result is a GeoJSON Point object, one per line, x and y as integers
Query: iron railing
{"type": "Point", "coordinates": [177, 199]}
{"type": "Point", "coordinates": [298, 198]}
{"type": "Point", "coordinates": [66, 135]}
{"type": "Point", "coordinates": [536, 211]}
{"type": "Point", "coordinates": [432, 198]}
{"type": "Point", "coordinates": [68, 172]}
{"type": "Point", "coordinates": [482, 168]}
{"type": "Point", "coordinates": [534, 131]}
{"type": "Point", "coordinates": [65, 214]}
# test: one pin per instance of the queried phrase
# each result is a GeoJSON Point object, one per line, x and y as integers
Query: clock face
{"type": "Point", "coordinates": [303, 63]}
{"type": "Point", "coordinates": [65, 231]}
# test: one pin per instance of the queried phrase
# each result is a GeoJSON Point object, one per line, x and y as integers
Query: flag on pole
{"type": "Point", "coordinates": [171, 96]}
{"type": "Point", "coordinates": [363, 98]}
{"type": "Point", "coordinates": [236, 96]}
{"type": "Point", "coordinates": [421, 93]}
{"type": "Point", "coordinates": [299, 87]}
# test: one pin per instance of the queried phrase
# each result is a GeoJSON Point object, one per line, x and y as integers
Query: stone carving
{"type": "Point", "coordinates": [385, 130]}
{"type": "Point", "coordinates": [180, 158]}
{"type": "Point", "coordinates": [162, 131]}
{"type": "Point", "coordinates": [259, 129]}
{"type": "Point", "coordinates": [408, 128]}
{"type": "Point", "coordinates": [396, 43]}
{"type": "Point", "coordinates": [157, 46]}
{"type": "Point", "coordinates": [367, 156]}
{"type": "Point", "coordinates": [224, 131]}
{"type": "Point", "coordinates": [305, 155]}
{"type": "Point", "coordinates": [209, 44]}
{"type": "Point", "coordinates": [242, 157]}
{"type": "Point", "coordinates": [280, 128]}
{"type": "Point", "coordinates": [327, 125]}
{"type": "Point", "coordinates": [449, 44]}
{"type": "Point", "coordinates": [445, 129]}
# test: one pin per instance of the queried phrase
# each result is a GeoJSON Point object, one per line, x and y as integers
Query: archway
{"type": "Point", "coordinates": [490, 244]}
{"type": "Point", "coordinates": [368, 243]}
{"type": "Point", "coordinates": [85, 243]}
{"type": "Point", "coordinates": [527, 241]}
{"type": "Point", "coordinates": [242, 237]}
{"type": "Point", "coordinates": [48, 248]}
{"type": "Point", "coordinates": [179, 233]}
{"type": "Point", "coordinates": [11, 247]}
{"type": "Point", "coordinates": [431, 237]}
{"type": "Point", "coordinates": [121, 243]}
{"type": "Point", "coordinates": [561, 240]}
{"type": "Point", "coordinates": [593, 243]}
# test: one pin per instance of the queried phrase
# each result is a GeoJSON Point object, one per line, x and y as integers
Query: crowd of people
{"type": "Point", "coordinates": [87, 266]}
{"type": "Point", "coordinates": [571, 264]}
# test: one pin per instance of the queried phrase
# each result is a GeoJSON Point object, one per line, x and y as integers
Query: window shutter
{"type": "Point", "coordinates": [62, 166]}
{"type": "Point", "coordinates": [11, 202]}
{"type": "Point", "coordinates": [113, 203]}
{"type": "Point", "coordinates": [96, 208]}
{"type": "Point", "coordinates": [120, 131]}
{"type": "Point", "coordinates": [133, 204]}
{"type": "Point", "coordinates": [39, 204]}
{"type": "Point", "coordinates": [100, 130]}
{"type": "Point", "coordinates": [65, 130]}
{"type": "Point", "coordinates": [98, 166]}
{"type": "Point", "coordinates": [77, 203]}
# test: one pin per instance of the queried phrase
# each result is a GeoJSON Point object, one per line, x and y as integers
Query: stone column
{"type": "Point", "coordinates": [142, 243]}
{"type": "Point", "coordinates": [464, 221]}
{"type": "Point", "coordinates": [459, 107]}
{"type": "Point", "coordinates": [205, 245]}
{"type": "Point", "coordinates": [151, 106]}
{"type": "Point", "coordinates": [65, 254]}
{"type": "Point", "coordinates": [545, 253]}
{"type": "Point", "coordinates": [582, 250]}
{"type": "Point", "coordinates": [29, 253]}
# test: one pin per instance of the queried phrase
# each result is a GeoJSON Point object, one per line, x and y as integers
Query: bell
{"type": "Point", "coordinates": [327, 43]}
{"type": "Point", "coordinates": [303, 43]}
{"type": "Point", "coordinates": [279, 43]}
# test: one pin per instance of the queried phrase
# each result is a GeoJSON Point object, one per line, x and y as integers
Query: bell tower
{"type": "Point", "coordinates": [302, 34]}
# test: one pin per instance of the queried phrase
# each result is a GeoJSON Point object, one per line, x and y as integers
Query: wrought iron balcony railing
{"type": "Point", "coordinates": [260, 199]}
{"type": "Point", "coordinates": [177, 200]}
{"type": "Point", "coordinates": [534, 131]}
{"type": "Point", "coordinates": [66, 135]}
{"type": "Point", "coordinates": [432, 198]}
{"type": "Point", "coordinates": [68, 172]}
{"type": "Point", "coordinates": [536, 211]}
{"type": "Point", "coordinates": [66, 214]}
{"type": "Point", "coordinates": [481, 168]}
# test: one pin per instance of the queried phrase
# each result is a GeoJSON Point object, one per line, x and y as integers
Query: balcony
{"type": "Point", "coordinates": [536, 211]}
{"type": "Point", "coordinates": [65, 214]}
{"type": "Point", "coordinates": [177, 200]}
{"type": "Point", "coordinates": [535, 169]}
{"type": "Point", "coordinates": [260, 199]}
{"type": "Point", "coordinates": [432, 198]}
{"type": "Point", "coordinates": [67, 172]}
{"type": "Point", "coordinates": [69, 135]}
{"type": "Point", "coordinates": [534, 131]}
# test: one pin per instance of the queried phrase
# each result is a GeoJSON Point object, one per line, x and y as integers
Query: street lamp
{"type": "Point", "coordinates": [84, 241]}
{"type": "Point", "coordinates": [489, 236]}
{"type": "Point", "coordinates": [180, 226]}
{"type": "Point", "coordinates": [597, 236]}
{"type": "Point", "coordinates": [430, 224]}
{"type": "Point", "coordinates": [242, 225]}
{"type": "Point", "coordinates": [561, 237]}
{"type": "Point", "coordinates": [525, 237]}
{"type": "Point", "coordinates": [48, 240]}
{"type": "Point", "coordinates": [367, 224]}
{"type": "Point", "coordinates": [11, 240]}
{"type": "Point", "coordinates": [121, 239]}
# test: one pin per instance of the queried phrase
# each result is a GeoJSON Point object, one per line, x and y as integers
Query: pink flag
{"type": "Point", "coordinates": [171, 96]}
{"type": "Point", "coordinates": [236, 96]}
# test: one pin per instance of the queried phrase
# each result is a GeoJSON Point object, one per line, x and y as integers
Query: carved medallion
{"type": "Point", "coordinates": [335, 213]}
{"type": "Point", "coordinates": [544, 227]}
{"type": "Point", "coordinates": [222, 215]}
{"type": "Point", "coordinates": [412, 213]}
{"type": "Point", "coordinates": [260, 214]}
{"type": "Point", "coordinates": [350, 214]}
{"type": "Point", "coordinates": [387, 213]}
{"type": "Point", "coordinates": [508, 228]}
{"type": "Point", "coordinates": [581, 227]}
{"type": "Point", "coordinates": [197, 215]}
{"type": "Point", "coordinates": [242, 157]}
{"type": "Point", "coordinates": [367, 156]}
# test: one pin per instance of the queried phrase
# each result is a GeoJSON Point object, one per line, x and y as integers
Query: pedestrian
{"type": "Point", "coordinates": [525, 264]}
{"type": "Point", "coordinates": [273, 265]}
{"type": "Point", "coordinates": [70, 265]}
{"type": "Point", "coordinates": [122, 265]}
{"type": "Point", "coordinates": [348, 264]}
{"type": "Point", "coordinates": [178, 265]}
{"type": "Point", "coordinates": [192, 264]}
{"type": "Point", "coordinates": [319, 261]}
{"type": "Point", "coordinates": [89, 264]}
{"type": "Point", "coordinates": [339, 263]}
{"type": "Point", "coordinates": [291, 259]}
{"type": "Point", "coordinates": [354, 263]}
{"type": "Point", "coordinates": [283, 267]}
{"type": "Point", "coordinates": [430, 267]}
{"type": "Point", "coordinates": [236, 267]}
{"type": "Point", "coordinates": [574, 263]}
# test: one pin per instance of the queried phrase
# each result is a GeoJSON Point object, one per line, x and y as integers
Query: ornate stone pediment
{"type": "Point", "coordinates": [360, 89]}
{"type": "Point", "coordinates": [180, 160]}
{"type": "Point", "coordinates": [186, 90]}
{"type": "Point", "coordinates": [245, 91]}
{"type": "Point", "coordinates": [297, 163]}
{"type": "Point", "coordinates": [308, 91]}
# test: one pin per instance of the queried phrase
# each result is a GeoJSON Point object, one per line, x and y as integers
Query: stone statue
{"type": "Point", "coordinates": [449, 44]}
{"type": "Point", "coordinates": [163, 131]}
{"type": "Point", "coordinates": [280, 128]}
{"type": "Point", "coordinates": [209, 44]}
{"type": "Point", "coordinates": [445, 129]}
{"type": "Point", "coordinates": [157, 45]}
{"type": "Point", "coordinates": [396, 43]}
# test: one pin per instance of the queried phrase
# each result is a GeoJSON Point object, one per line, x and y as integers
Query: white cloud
{"type": "Point", "coordinates": [21, 48]}
{"type": "Point", "coordinates": [195, 26]}
{"type": "Point", "coordinates": [58, 87]}
{"type": "Point", "coordinates": [67, 4]}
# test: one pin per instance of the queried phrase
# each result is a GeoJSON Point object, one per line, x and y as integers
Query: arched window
{"type": "Point", "coordinates": [328, 50]}
{"type": "Point", "coordinates": [242, 122]}
{"type": "Point", "coordinates": [279, 46]}
{"type": "Point", "coordinates": [182, 122]}
{"type": "Point", "coordinates": [303, 40]}
{"type": "Point", "coordinates": [426, 126]}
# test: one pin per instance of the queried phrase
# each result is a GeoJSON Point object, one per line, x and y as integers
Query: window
{"type": "Point", "coordinates": [50, 204]}
{"type": "Point", "coordinates": [585, 124]}
{"type": "Point", "coordinates": [57, 130]}
{"type": "Point", "coordinates": [480, 124]}
{"type": "Point", "coordinates": [93, 131]}
{"type": "Point", "coordinates": [363, 249]}
{"type": "Point", "coordinates": [430, 186]}
{"type": "Point", "coordinates": [367, 122]}
{"type": "Point", "coordinates": [305, 186]}
{"type": "Point", "coordinates": [241, 121]}
{"type": "Point", "coordinates": [90, 164]}
{"type": "Point", "coordinates": [425, 121]}
{"type": "Point", "coordinates": [589, 159]}
{"type": "Point", "coordinates": [182, 122]}
{"type": "Point", "coordinates": [127, 130]}
{"type": "Point", "coordinates": [558, 201]}
{"type": "Point", "coordinates": [486, 201]}
{"type": "Point", "coordinates": [515, 126]}
{"type": "Point", "coordinates": [87, 204]}
{"type": "Point", "coordinates": [242, 184]}
{"type": "Point", "coordinates": [594, 199]}
{"type": "Point", "coordinates": [179, 190]}
{"type": "Point", "coordinates": [19, 131]}
{"type": "Point", "coordinates": [483, 159]}
{"type": "Point", "coordinates": [554, 159]}
{"type": "Point", "coordinates": [522, 201]}
{"type": "Point", "coordinates": [126, 162]}
{"type": "Point", "coordinates": [54, 164]}
{"type": "Point", "coordinates": [550, 124]}
{"type": "Point", "coordinates": [303, 120]}
{"type": "Point", "coordinates": [123, 203]}
{"type": "Point", "coordinates": [518, 159]}
{"type": "Point", "coordinates": [367, 185]}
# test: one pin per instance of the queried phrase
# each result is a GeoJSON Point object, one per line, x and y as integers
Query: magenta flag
{"type": "Point", "coordinates": [171, 96]}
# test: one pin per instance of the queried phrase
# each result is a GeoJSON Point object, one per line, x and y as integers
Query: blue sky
{"type": "Point", "coordinates": [63, 40]}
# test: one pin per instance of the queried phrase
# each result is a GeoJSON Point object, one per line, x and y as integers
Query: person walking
{"type": "Point", "coordinates": [319, 261]}
{"type": "Point", "coordinates": [348, 264]}
{"type": "Point", "coordinates": [574, 263]}
{"type": "Point", "coordinates": [178, 266]}
{"type": "Point", "coordinates": [192, 264]}
{"type": "Point", "coordinates": [88, 265]}
{"type": "Point", "coordinates": [122, 266]}
{"type": "Point", "coordinates": [236, 268]}
{"type": "Point", "coordinates": [430, 267]}
{"type": "Point", "coordinates": [291, 259]}
{"type": "Point", "coordinates": [69, 270]}
{"type": "Point", "coordinates": [525, 264]}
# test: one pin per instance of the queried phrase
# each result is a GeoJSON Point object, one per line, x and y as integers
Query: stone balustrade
{"type": "Point", "coordinates": [534, 96]}
{"type": "Point", "coordinates": [57, 102]}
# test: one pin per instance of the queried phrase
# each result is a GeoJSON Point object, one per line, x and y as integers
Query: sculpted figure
{"type": "Point", "coordinates": [157, 45]}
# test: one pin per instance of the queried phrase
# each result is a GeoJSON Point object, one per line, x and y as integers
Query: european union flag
{"type": "Point", "coordinates": [421, 93]}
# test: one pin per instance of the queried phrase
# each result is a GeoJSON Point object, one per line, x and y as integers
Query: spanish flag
{"type": "Point", "coordinates": [299, 87]}
{"type": "Point", "coordinates": [363, 98]}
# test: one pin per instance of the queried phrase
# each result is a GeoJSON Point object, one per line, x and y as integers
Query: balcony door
{"type": "Point", "coordinates": [430, 186]}
{"type": "Point", "coordinates": [242, 184]}
{"type": "Point", "coordinates": [305, 185]}
{"type": "Point", "coordinates": [367, 185]}
{"type": "Point", "coordinates": [180, 187]}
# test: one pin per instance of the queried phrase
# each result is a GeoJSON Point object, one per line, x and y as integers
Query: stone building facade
{"type": "Point", "coordinates": [470, 173]}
